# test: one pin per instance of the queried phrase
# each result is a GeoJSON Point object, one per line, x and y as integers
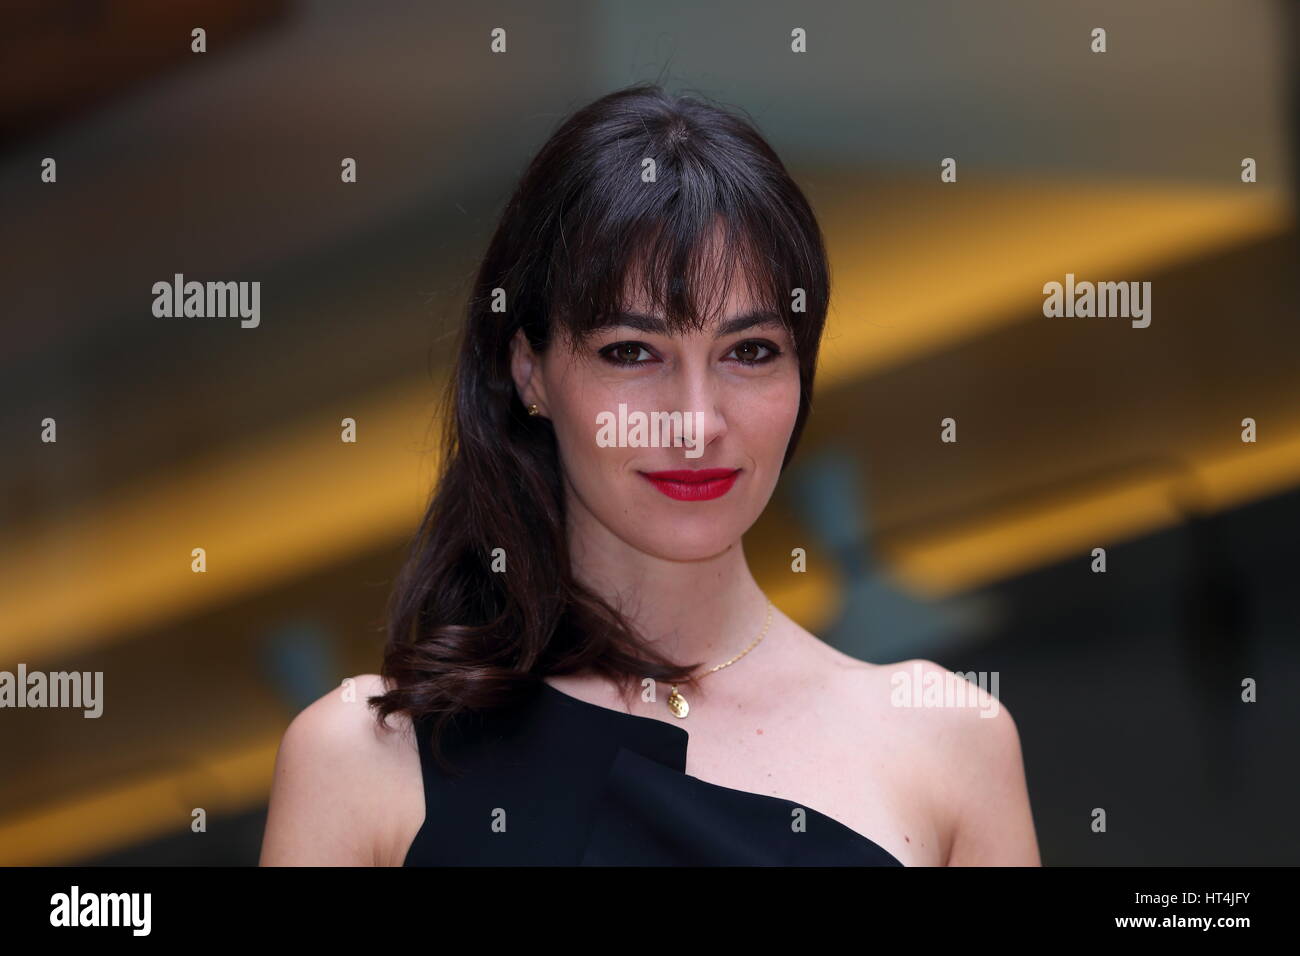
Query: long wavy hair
{"type": "Point", "coordinates": [629, 189]}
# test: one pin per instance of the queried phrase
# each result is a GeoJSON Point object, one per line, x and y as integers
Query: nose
{"type": "Point", "coordinates": [701, 393]}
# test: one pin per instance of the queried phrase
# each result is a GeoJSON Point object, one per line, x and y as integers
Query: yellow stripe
{"type": "Point", "coordinates": [73, 830]}
{"type": "Point", "coordinates": [271, 510]}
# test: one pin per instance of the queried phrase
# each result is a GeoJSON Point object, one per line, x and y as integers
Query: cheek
{"type": "Point", "coordinates": [767, 415]}
{"type": "Point", "coordinates": [576, 425]}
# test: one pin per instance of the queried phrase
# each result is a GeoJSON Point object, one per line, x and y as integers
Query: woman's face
{"type": "Point", "coordinates": [736, 388]}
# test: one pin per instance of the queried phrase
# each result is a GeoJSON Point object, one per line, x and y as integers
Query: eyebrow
{"type": "Point", "coordinates": [655, 325]}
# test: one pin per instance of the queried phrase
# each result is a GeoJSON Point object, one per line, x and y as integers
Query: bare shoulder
{"type": "Point", "coordinates": [961, 743]}
{"type": "Point", "coordinates": [968, 746]}
{"type": "Point", "coordinates": [347, 791]}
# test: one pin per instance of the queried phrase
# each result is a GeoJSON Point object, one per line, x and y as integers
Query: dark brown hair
{"type": "Point", "coordinates": [583, 221]}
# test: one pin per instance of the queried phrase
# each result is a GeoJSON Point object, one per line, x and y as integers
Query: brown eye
{"type": "Point", "coordinates": [624, 353]}
{"type": "Point", "coordinates": [754, 352]}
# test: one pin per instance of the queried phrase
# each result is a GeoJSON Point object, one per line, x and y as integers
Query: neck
{"type": "Point", "coordinates": [703, 611]}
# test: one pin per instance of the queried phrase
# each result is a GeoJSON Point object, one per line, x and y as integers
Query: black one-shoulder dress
{"type": "Point", "coordinates": [559, 781]}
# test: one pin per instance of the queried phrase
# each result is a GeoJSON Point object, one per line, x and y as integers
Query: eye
{"type": "Point", "coordinates": [624, 353]}
{"type": "Point", "coordinates": [750, 352]}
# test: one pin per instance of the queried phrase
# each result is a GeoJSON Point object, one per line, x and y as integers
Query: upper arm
{"type": "Point", "coordinates": [993, 822]}
{"type": "Point", "coordinates": [978, 776]}
{"type": "Point", "coordinates": [325, 809]}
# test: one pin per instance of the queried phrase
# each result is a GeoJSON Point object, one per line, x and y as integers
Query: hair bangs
{"type": "Point", "coordinates": [676, 249]}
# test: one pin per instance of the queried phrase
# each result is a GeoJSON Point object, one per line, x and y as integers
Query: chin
{"type": "Point", "coordinates": [688, 539]}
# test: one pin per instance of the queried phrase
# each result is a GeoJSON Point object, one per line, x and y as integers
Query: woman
{"type": "Point", "coordinates": [581, 668]}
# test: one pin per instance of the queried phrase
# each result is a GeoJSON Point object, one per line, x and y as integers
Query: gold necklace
{"type": "Point", "coordinates": [677, 703]}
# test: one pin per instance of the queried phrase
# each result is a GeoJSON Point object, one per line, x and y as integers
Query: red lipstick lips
{"type": "Point", "coordinates": [700, 484]}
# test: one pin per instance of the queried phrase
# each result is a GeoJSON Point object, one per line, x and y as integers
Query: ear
{"type": "Point", "coordinates": [526, 370]}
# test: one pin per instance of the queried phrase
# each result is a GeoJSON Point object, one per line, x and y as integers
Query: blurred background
{"type": "Point", "coordinates": [1074, 433]}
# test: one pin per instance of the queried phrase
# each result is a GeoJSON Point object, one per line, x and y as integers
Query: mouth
{"type": "Point", "coordinates": [700, 484]}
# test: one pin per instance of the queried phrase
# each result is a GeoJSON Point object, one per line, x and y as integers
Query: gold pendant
{"type": "Point", "coordinates": [677, 703]}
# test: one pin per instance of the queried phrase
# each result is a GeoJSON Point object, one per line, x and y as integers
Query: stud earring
{"type": "Point", "coordinates": [533, 409]}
